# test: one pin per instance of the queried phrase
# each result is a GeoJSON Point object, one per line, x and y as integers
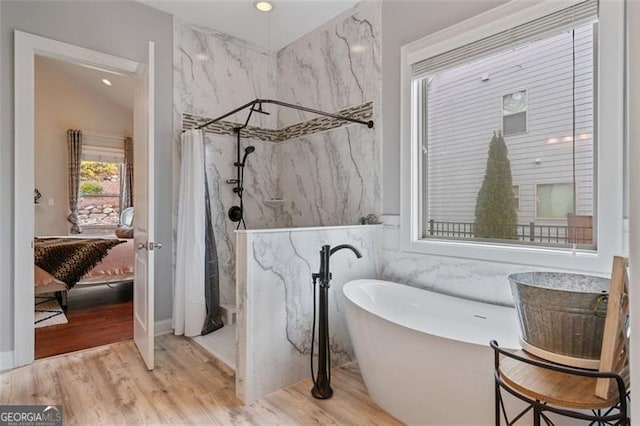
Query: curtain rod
{"type": "Point", "coordinates": [251, 104]}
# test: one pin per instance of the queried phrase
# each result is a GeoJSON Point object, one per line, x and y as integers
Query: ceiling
{"type": "Point", "coordinates": [288, 21]}
{"type": "Point", "coordinates": [120, 92]}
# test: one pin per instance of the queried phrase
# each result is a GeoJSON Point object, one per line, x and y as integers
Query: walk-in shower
{"type": "Point", "coordinates": [236, 213]}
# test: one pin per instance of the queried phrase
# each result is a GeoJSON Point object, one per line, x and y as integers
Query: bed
{"type": "Point", "coordinates": [115, 267]}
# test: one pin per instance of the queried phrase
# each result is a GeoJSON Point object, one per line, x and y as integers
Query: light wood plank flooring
{"type": "Point", "coordinates": [110, 385]}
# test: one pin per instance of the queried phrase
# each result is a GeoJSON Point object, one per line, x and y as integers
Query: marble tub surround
{"type": "Point", "coordinates": [275, 301]}
{"type": "Point", "coordinates": [470, 279]}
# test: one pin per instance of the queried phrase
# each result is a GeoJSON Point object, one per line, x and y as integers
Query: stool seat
{"type": "Point", "coordinates": [553, 387]}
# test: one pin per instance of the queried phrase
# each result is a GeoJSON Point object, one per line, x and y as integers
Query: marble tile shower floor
{"type": "Point", "coordinates": [221, 344]}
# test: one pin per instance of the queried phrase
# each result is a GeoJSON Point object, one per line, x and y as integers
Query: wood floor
{"type": "Point", "coordinates": [96, 316]}
{"type": "Point", "coordinates": [110, 385]}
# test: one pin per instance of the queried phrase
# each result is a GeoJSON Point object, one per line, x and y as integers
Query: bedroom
{"type": "Point", "coordinates": [74, 106]}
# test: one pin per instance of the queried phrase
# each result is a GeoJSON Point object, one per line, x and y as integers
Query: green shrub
{"type": "Point", "coordinates": [90, 188]}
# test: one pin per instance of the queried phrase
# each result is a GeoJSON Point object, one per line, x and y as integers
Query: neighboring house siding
{"type": "Point", "coordinates": [464, 111]}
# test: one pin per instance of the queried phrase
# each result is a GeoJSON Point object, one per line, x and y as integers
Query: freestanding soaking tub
{"type": "Point", "coordinates": [424, 356]}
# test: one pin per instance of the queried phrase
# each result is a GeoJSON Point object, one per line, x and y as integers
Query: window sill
{"type": "Point", "coordinates": [586, 261]}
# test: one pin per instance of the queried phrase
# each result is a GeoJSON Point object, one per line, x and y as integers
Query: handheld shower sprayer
{"type": "Point", "coordinates": [248, 150]}
{"type": "Point", "coordinates": [236, 213]}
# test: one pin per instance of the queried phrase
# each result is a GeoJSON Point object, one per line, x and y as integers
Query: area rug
{"type": "Point", "coordinates": [48, 312]}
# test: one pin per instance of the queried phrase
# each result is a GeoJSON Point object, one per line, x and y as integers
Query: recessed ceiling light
{"type": "Point", "coordinates": [107, 82]}
{"type": "Point", "coordinates": [264, 6]}
{"type": "Point", "coordinates": [202, 57]}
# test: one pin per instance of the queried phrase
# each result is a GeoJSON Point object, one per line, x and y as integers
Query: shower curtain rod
{"type": "Point", "coordinates": [251, 104]}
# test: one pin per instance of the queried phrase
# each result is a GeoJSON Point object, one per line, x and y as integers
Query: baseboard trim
{"type": "Point", "coordinates": [163, 327]}
{"type": "Point", "coordinates": [6, 360]}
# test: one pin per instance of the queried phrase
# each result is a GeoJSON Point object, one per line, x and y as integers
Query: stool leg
{"type": "Point", "coordinates": [497, 402]}
{"type": "Point", "coordinates": [536, 414]}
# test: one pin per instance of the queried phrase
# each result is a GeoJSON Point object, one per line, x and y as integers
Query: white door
{"type": "Point", "coordinates": [143, 199]}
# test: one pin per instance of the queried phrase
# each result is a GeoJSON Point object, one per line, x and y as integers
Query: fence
{"type": "Point", "coordinates": [555, 234]}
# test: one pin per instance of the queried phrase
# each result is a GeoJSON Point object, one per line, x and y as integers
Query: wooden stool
{"type": "Point", "coordinates": [570, 391]}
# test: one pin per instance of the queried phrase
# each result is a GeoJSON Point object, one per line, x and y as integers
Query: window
{"type": "Point", "coordinates": [460, 163]}
{"type": "Point", "coordinates": [470, 163]}
{"type": "Point", "coordinates": [554, 200]}
{"type": "Point", "coordinates": [99, 204]}
{"type": "Point", "coordinates": [514, 113]}
{"type": "Point", "coordinates": [516, 196]}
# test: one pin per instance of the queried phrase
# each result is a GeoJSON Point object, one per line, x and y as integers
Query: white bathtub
{"type": "Point", "coordinates": [425, 356]}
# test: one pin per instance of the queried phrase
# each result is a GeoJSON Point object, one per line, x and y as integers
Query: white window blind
{"type": "Point", "coordinates": [563, 20]}
{"type": "Point", "coordinates": [102, 154]}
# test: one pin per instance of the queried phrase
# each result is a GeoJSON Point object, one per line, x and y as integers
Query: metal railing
{"type": "Point", "coordinates": [555, 234]}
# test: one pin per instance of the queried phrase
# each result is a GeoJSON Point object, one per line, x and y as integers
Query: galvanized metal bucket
{"type": "Point", "coordinates": [561, 314]}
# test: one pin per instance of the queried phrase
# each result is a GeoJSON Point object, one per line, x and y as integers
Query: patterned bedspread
{"type": "Point", "coordinates": [69, 259]}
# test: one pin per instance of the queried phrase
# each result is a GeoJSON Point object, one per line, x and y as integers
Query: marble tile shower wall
{"type": "Point", "coordinates": [332, 178]}
{"type": "Point", "coordinates": [328, 178]}
{"type": "Point", "coordinates": [260, 177]}
{"type": "Point", "coordinates": [214, 72]}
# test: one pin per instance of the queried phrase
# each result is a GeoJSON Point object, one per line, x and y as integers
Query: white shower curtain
{"type": "Point", "coordinates": [189, 308]}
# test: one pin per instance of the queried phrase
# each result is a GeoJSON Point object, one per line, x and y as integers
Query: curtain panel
{"type": "Point", "coordinates": [126, 178]}
{"type": "Point", "coordinates": [74, 153]}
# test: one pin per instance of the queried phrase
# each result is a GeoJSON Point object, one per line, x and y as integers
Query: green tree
{"type": "Point", "coordinates": [496, 215]}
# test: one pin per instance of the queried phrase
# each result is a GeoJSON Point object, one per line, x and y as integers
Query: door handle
{"type": "Point", "coordinates": [148, 246]}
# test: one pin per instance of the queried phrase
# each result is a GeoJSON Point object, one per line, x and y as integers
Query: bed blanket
{"type": "Point", "coordinates": [69, 259]}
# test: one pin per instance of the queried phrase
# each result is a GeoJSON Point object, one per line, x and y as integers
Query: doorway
{"type": "Point", "coordinates": [93, 109]}
{"type": "Point", "coordinates": [27, 48]}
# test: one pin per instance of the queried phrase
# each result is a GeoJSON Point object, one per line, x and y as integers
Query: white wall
{"type": "Point", "coordinates": [63, 104]}
{"type": "Point", "coordinates": [117, 28]}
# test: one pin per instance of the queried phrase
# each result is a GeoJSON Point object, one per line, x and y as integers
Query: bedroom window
{"type": "Point", "coordinates": [485, 106]}
{"type": "Point", "coordinates": [99, 206]}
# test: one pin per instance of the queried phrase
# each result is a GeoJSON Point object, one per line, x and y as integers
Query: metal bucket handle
{"type": "Point", "coordinates": [604, 298]}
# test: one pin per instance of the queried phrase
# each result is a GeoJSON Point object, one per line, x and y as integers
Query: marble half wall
{"type": "Point", "coordinates": [275, 301]}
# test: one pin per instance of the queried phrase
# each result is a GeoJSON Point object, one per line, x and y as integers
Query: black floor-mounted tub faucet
{"type": "Point", "coordinates": [322, 383]}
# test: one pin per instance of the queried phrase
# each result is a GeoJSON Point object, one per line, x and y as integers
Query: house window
{"type": "Point", "coordinates": [468, 161]}
{"type": "Point", "coordinates": [514, 113]}
{"type": "Point", "coordinates": [460, 165]}
{"type": "Point", "coordinates": [554, 200]}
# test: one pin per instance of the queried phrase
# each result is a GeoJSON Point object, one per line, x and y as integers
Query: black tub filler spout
{"type": "Point", "coordinates": [322, 383]}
